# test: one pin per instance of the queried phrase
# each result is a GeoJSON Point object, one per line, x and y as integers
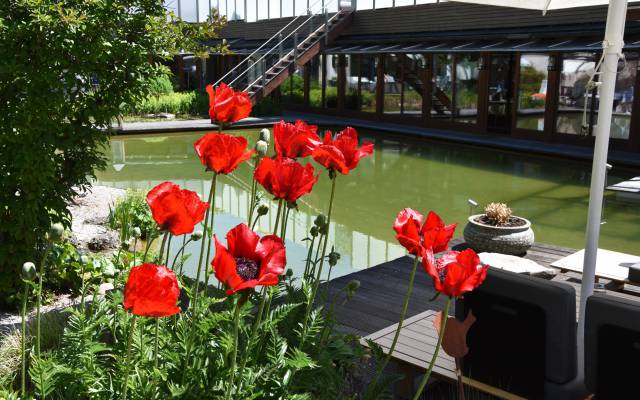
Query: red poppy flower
{"type": "Point", "coordinates": [176, 210]}
{"type": "Point", "coordinates": [222, 153]}
{"type": "Point", "coordinates": [456, 272]}
{"type": "Point", "coordinates": [295, 141]}
{"type": "Point", "coordinates": [341, 154]}
{"type": "Point", "coordinates": [416, 237]}
{"type": "Point", "coordinates": [248, 260]}
{"type": "Point", "coordinates": [152, 291]}
{"type": "Point", "coordinates": [227, 105]}
{"type": "Point", "coordinates": [285, 178]}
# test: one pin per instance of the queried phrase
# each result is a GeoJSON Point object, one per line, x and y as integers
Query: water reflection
{"type": "Point", "coordinates": [402, 173]}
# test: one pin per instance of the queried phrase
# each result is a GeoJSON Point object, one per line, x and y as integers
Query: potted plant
{"type": "Point", "coordinates": [498, 231]}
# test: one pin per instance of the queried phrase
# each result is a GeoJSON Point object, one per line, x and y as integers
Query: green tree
{"type": "Point", "coordinates": [67, 68]}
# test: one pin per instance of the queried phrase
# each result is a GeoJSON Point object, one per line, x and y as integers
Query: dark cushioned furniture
{"type": "Point", "coordinates": [612, 347]}
{"type": "Point", "coordinates": [524, 339]}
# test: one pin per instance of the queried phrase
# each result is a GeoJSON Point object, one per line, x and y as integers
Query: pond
{"type": "Point", "coordinates": [403, 172]}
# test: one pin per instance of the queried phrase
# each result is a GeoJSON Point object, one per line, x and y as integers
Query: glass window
{"type": "Point", "coordinates": [263, 9]}
{"type": "Point", "coordinates": [442, 102]}
{"type": "Point", "coordinates": [252, 10]}
{"type": "Point", "coordinates": [300, 7]}
{"type": "Point", "coordinates": [368, 79]}
{"type": "Point", "coordinates": [413, 74]}
{"type": "Point", "coordinates": [274, 9]}
{"type": "Point", "coordinates": [315, 83]}
{"type": "Point", "coordinates": [577, 69]}
{"type": "Point", "coordinates": [466, 95]}
{"type": "Point", "coordinates": [384, 3]}
{"type": "Point", "coordinates": [623, 98]}
{"type": "Point", "coordinates": [352, 100]}
{"type": "Point", "coordinates": [400, 3]}
{"type": "Point", "coordinates": [331, 92]}
{"type": "Point", "coordinates": [532, 91]}
{"type": "Point", "coordinates": [365, 4]}
{"type": "Point", "coordinates": [171, 5]}
{"type": "Point", "coordinates": [287, 8]}
{"type": "Point", "coordinates": [392, 84]}
{"type": "Point", "coordinates": [188, 10]}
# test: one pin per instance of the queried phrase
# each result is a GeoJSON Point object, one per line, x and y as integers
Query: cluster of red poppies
{"type": "Point", "coordinates": [248, 260]}
{"type": "Point", "coordinates": [455, 272]}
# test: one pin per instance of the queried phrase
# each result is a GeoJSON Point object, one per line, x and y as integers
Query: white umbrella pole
{"type": "Point", "coordinates": [613, 42]}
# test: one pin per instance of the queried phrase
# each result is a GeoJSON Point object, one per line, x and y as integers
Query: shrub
{"type": "Point", "coordinates": [66, 71]}
{"type": "Point", "coordinates": [161, 85]}
{"type": "Point", "coordinates": [132, 211]}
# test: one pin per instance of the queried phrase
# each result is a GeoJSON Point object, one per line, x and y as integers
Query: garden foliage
{"type": "Point", "coordinates": [66, 70]}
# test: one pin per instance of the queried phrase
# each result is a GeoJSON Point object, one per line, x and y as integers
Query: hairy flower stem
{"type": "Point", "coordinates": [275, 226]}
{"type": "Point", "coordinates": [254, 190]}
{"type": "Point", "coordinates": [135, 245]}
{"type": "Point", "coordinates": [127, 360]}
{"type": "Point", "coordinates": [254, 330]}
{"type": "Point", "coordinates": [166, 259]}
{"type": "Point", "coordinates": [255, 222]}
{"type": "Point", "coordinates": [209, 238]}
{"type": "Point", "coordinates": [23, 341]}
{"type": "Point", "coordinates": [146, 250]}
{"type": "Point", "coordinates": [205, 243]}
{"type": "Point", "coordinates": [194, 306]}
{"type": "Point", "coordinates": [316, 284]}
{"type": "Point", "coordinates": [285, 222]}
{"type": "Point", "coordinates": [156, 346]}
{"type": "Point", "coordinates": [185, 242]}
{"type": "Point", "coordinates": [234, 353]}
{"type": "Point", "coordinates": [161, 252]}
{"type": "Point", "coordinates": [39, 296]}
{"type": "Point", "coordinates": [425, 378]}
{"type": "Point", "coordinates": [403, 314]}
{"type": "Point", "coordinates": [307, 264]}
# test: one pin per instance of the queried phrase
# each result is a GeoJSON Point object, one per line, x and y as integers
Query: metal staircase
{"type": "Point", "coordinates": [293, 46]}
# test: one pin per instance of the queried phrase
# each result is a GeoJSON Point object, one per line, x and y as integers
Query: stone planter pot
{"type": "Point", "coordinates": [514, 240]}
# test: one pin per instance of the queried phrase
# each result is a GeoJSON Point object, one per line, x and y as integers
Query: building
{"type": "Point", "coordinates": [451, 66]}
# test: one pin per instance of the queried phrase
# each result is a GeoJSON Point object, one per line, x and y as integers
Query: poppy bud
{"type": "Point", "coordinates": [263, 209]}
{"type": "Point", "coordinates": [197, 235]}
{"type": "Point", "coordinates": [28, 271]}
{"type": "Point", "coordinates": [289, 273]}
{"type": "Point", "coordinates": [262, 148]}
{"type": "Point", "coordinates": [333, 258]}
{"type": "Point", "coordinates": [314, 231]}
{"type": "Point", "coordinates": [136, 232]}
{"type": "Point", "coordinates": [353, 285]}
{"type": "Point", "coordinates": [265, 135]}
{"type": "Point", "coordinates": [124, 245]}
{"type": "Point", "coordinates": [320, 221]}
{"type": "Point", "coordinates": [56, 232]}
{"type": "Point", "coordinates": [323, 229]}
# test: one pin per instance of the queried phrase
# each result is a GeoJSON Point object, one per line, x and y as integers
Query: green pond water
{"type": "Point", "coordinates": [403, 172]}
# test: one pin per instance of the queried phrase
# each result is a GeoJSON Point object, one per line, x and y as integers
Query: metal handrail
{"type": "Point", "coordinates": [309, 12]}
{"type": "Point", "coordinates": [278, 45]}
{"type": "Point", "coordinates": [286, 55]}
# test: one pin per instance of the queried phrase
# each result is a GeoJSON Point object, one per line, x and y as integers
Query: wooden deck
{"type": "Point", "coordinates": [378, 301]}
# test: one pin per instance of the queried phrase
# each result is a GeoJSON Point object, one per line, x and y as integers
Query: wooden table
{"type": "Point", "coordinates": [415, 349]}
{"type": "Point", "coordinates": [610, 265]}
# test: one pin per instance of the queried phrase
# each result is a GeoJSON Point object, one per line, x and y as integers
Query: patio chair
{"type": "Point", "coordinates": [612, 347]}
{"type": "Point", "coordinates": [524, 339]}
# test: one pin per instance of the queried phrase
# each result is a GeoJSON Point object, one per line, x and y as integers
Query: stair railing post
{"type": "Point", "coordinates": [280, 48]}
{"type": "Point", "coordinates": [326, 26]}
{"type": "Point", "coordinates": [264, 73]}
{"type": "Point", "coordinates": [295, 47]}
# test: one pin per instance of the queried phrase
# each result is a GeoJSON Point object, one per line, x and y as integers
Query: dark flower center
{"type": "Point", "coordinates": [247, 269]}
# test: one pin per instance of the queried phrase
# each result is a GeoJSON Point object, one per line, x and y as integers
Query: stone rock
{"type": "Point", "coordinates": [516, 264]}
{"type": "Point", "coordinates": [90, 212]}
{"type": "Point", "coordinates": [166, 115]}
{"type": "Point", "coordinates": [105, 287]}
{"type": "Point", "coordinates": [107, 240]}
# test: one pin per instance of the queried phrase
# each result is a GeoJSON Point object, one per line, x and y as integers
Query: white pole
{"type": "Point", "coordinates": [612, 48]}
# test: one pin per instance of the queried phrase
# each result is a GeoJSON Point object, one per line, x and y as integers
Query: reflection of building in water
{"type": "Point", "coordinates": [363, 250]}
{"type": "Point", "coordinates": [118, 154]}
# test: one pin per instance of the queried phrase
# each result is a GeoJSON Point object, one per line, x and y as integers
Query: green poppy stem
{"type": "Point", "coordinates": [127, 361]}
{"type": "Point", "coordinates": [146, 250]}
{"type": "Point", "coordinates": [185, 242]}
{"type": "Point", "coordinates": [254, 330]}
{"type": "Point", "coordinates": [23, 342]}
{"type": "Point", "coordinates": [166, 259]}
{"type": "Point", "coordinates": [232, 369]}
{"type": "Point", "coordinates": [275, 226]}
{"type": "Point", "coordinates": [135, 245]}
{"type": "Point", "coordinates": [39, 296]}
{"type": "Point", "coordinates": [316, 284]}
{"type": "Point", "coordinates": [308, 262]}
{"type": "Point", "coordinates": [205, 243]}
{"type": "Point", "coordinates": [425, 378]}
{"type": "Point", "coordinates": [156, 346]}
{"type": "Point", "coordinates": [164, 242]}
{"type": "Point", "coordinates": [403, 314]}
{"type": "Point", "coordinates": [254, 190]}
